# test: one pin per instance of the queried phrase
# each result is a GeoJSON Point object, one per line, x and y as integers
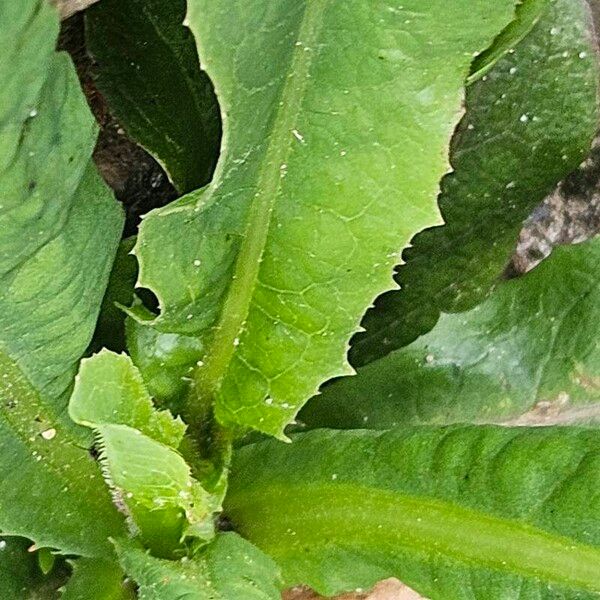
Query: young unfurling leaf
{"type": "Point", "coordinates": [150, 480]}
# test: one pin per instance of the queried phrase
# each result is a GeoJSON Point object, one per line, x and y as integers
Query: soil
{"type": "Point", "coordinates": [137, 180]}
{"type": "Point", "coordinates": [569, 215]}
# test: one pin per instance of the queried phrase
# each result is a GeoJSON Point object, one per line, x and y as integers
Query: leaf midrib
{"type": "Point", "coordinates": [269, 181]}
{"type": "Point", "coordinates": [280, 519]}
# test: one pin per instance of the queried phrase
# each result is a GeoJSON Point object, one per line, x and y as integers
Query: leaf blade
{"type": "Point", "coordinates": [230, 568]}
{"type": "Point", "coordinates": [40, 461]}
{"type": "Point", "coordinates": [53, 278]}
{"type": "Point", "coordinates": [449, 511]}
{"type": "Point", "coordinates": [524, 356]}
{"type": "Point", "coordinates": [150, 75]}
{"type": "Point", "coordinates": [98, 579]}
{"type": "Point", "coordinates": [505, 161]}
{"type": "Point", "coordinates": [274, 335]}
{"type": "Point", "coordinates": [527, 15]}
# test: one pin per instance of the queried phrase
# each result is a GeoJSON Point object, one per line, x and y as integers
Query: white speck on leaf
{"type": "Point", "coordinates": [49, 434]}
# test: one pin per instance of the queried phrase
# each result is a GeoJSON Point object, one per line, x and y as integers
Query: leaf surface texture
{"type": "Point", "coordinates": [317, 190]}
{"type": "Point", "coordinates": [490, 513]}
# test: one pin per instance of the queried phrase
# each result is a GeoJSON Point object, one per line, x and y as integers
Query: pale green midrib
{"type": "Point", "coordinates": [241, 291]}
{"type": "Point", "coordinates": [278, 519]}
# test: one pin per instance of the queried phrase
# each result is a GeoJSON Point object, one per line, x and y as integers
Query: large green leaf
{"type": "Point", "coordinates": [150, 74]}
{"type": "Point", "coordinates": [337, 118]}
{"type": "Point", "coordinates": [529, 352]}
{"type": "Point", "coordinates": [138, 444]}
{"type": "Point", "coordinates": [59, 230]}
{"type": "Point", "coordinates": [229, 569]}
{"type": "Point", "coordinates": [528, 124]}
{"type": "Point", "coordinates": [486, 513]}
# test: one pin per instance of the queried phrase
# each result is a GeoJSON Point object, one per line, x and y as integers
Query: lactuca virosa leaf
{"type": "Point", "coordinates": [528, 354]}
{"type": "Point", "coordinates": [59, 230]}
{"type": "Point", "coordinates": [527, 15]}
{"type": "Point", "coordinates": [229, 568]}
{"type": "Point", "coordinates": [98, 580]}
{"type": "Point", "coordinates": [138, 445]}
{"type": "Point", "coordinates": [527, 125]}
{"type": "Point", "coordinates": [323, 179]}
{"type": "Point", "coordinates": [489, 513]}
{"type": "Point", "coordinates": [149, 72]}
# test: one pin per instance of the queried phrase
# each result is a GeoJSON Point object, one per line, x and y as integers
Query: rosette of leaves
{"type": "Point", "coordinates": [337, 121]}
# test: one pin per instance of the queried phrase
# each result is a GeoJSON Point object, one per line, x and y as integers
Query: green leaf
{"type": "Point", "coordinates": [527, 126]}
{"type": "Point", "coordinates": [228, 569]}
{"type": "Point", "coordinates": [149, 479]}
{"type": "Point", "coordinates": [527, 15]}
{"type": "Point", "coordinates": [150, 74]}
{"type": "Point", "coordinates": [166, 361]}
{"type": "Point", "coordinates": [97, 580]}
{"type": "Point", "coordinates": [20, 575]}
{"type": "Point", "coordinates": [529, 353]}
{"type": "Point", "coordinates": [110, 327]}
{"type": "Point", "coordinates": [273, 265]}
{"type": "Point", "coordinates": [109, 390]}
{"type": "Point", "coordinates": [59, 230]}
{"type": "Point", "coordinates": [51, 489]}
{"type": "Point", "coordinates": [53, 291]}
{"type": "Point", "coordinates": [488, 513]}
